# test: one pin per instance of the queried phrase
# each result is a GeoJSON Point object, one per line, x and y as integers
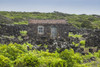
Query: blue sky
{"type": "Point", "coordinates": [65, 6]}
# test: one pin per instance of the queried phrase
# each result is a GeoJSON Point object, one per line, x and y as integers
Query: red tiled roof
{"type": "Point", "coordinates": [34, 21]}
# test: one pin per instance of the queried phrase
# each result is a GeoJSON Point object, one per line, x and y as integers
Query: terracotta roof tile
{"type": "Point", "coordinates": [33, 21]}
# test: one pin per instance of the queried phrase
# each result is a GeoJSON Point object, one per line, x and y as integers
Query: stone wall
{"type": "Point", "coordinates": [62, 29]}
{"type": "Point", "coordinates": [93, 39]}
{"type": "Point", "coordinates": [12, 30]}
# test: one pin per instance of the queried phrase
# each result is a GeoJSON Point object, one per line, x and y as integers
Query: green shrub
{"type": "Point", "coordinates": [73, 59]}
{"type": "Point", "coordinates": [20, 38]}
{"type": "Point", "coordinates": [49, 59]}
{"type": "Point", "coordinates": [78, 36]}
{"type": "Point", "coordinates": [87, 56]}
{"type": "Point", "coordinates": [97, 54]}
{"type": "Point", "coordinates": [47, 54]}
{"type": "Point", "coordinates": [75, 44]}
{"type": "Point", "coordinates": [75, 36]}
{"type": "Point", "coordinates": [52, 62]}
{"type": "Point", "coordinates": [23, 33]}
{"type": "Point", "coordinates": [17, 55]}
{"type": "Point", "coordinates": [45, 45]}
{"type": "Point", "coordinates": [28, 59]}
{"type": "Point", "coordinates": [12, 50]}
{"type": "Point", "coordinates": [4, 61]}
{"type": "Point", "coordinates": [94, 63]}
{"type": "Point", "coordinates": [27, 44]}
{"type": "Point", "coordinates": [82, 42]}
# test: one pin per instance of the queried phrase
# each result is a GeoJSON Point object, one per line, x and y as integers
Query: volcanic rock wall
{"type": "Point", "coordinates": [12, 29]}
{"type": "Point", "coordinates": [92, 37]}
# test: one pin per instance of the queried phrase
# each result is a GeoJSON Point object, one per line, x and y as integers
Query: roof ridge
{"type": "Point", "coordinates": [47, 21]}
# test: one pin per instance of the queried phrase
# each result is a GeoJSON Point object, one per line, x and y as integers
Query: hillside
{"type": "Point", "coordinates": [20, 49]}
{"type": "Point", "coordinates": [79, 21]}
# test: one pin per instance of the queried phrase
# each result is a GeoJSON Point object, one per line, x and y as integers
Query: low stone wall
{"type": "Point", "coordinates": [12, 30]}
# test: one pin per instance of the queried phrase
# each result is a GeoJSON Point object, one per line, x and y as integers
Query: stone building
{"type": "Point", "coordinates": [48, 28]}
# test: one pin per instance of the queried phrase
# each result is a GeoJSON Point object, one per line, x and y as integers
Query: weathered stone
{"type": "Point", "coordinates": [93, 59]}
{"type": "Point", "coordinates": [83, 53]}
{"type": "Point", "coordinates": [91, 50]}
{"type": "Point", "coordinates": [28, 48]}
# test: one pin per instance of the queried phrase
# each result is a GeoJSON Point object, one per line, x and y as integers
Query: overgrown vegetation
{"type": "Point", "coordinates": [16, 55]}
{"type": "Point", "coordinates": [79, 21]}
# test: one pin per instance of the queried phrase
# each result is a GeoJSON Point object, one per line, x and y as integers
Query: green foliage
{"type": "Point", "coordinates": [23, 33]}
{"type": "Point", "coordinates": [21, 22]}
{"type": "Point", "coordinates": [51, 60]}
{"type": "Point", "coordinates": [11, 37]}
{"type": "Point", "coordinates": [75, 44]}
{"type": "Point", "coordinates": [87, 57]}
{"type": "Point", "coordinates": [12, 50]}
{"type": "Point", "coordinates": [93, 63]}
{"type": "Point", "coordinates": [5, 20]}
{"type": "Point", "coordinates": [39, 45]}
{"type": "Point", "coordinates": [28, 59]}
{"type": "Point", "coordinates": [46, 54]}
{"type": "Point", "coordinates": [27, 44]}
{"type": "Point", "coordinates": [40, 59]}
{"type": "Point", "coordinates": [75, 36]}
{"type": "Point", "coordinates": [73, 59]}
{"type": "Point", "coordinates": [4, 61]}
{"type": "Point", "coordinates": [82, 42]}
{"type": "Point", "coordinates": [16, 55]}
{"type": "Point", "coordinates": [87, 24]}
{"type": "Point", "coordinates": [97, 54]}
{"type": "Point", "coordinates": [20, 38]}
{"type": "Point", "coordinates": [45, 45]}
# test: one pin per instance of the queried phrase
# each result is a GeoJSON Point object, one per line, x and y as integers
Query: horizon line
{"type": "Point", "coordinates": [49, 12]}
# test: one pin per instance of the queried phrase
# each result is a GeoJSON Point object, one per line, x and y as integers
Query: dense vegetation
{"type": "Point", "coordinates": [79, 21]}
{"type": "Point", "coordinates": [16, 55]}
